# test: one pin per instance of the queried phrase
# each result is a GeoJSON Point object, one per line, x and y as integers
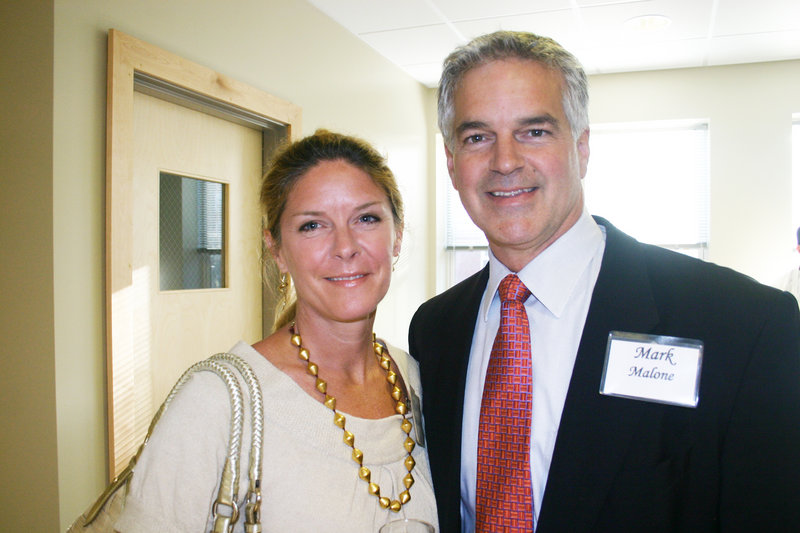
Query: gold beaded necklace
{"type": "Point", "coordinates": [349, 438]}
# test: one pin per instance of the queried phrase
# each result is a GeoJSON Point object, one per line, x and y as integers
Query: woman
{"type": "Point", "coordinates": [334, 222]}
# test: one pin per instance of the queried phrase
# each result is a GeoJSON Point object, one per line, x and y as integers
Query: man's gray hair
{"type": "Point", "coordinates": [514, 45]}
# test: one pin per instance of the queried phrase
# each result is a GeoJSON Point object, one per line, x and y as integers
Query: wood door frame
{"type": "Point", "coordinates": [137, 65]}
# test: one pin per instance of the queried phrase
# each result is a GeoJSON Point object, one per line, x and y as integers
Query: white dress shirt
{"type": "Point", "coordinates": [561, 280]}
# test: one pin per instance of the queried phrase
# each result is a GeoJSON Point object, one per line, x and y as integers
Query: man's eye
{"type": "Point", "coordinates": [369, 219]}
{"type": "Point", "coordinates": [472, 139]}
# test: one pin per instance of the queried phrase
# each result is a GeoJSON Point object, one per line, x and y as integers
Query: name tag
{"type": "Point", "coordinates": [653, 368]}
{"type": "Point", "coordinates": [416, 413]}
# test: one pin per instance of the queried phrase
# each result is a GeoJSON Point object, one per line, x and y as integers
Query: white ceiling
{"type": "Point", "coordinates": [417, 35]}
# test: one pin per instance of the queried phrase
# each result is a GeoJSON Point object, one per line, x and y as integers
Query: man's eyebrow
{"type": "Point", "coordinates": [471, 125]}
{"type": "Point", "coordinates": [536, 120]}
{"type": "Point", "coordinates": [547, 118]}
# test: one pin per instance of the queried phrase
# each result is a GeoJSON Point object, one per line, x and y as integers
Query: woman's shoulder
{"type": "Point", "coordinates": [408, 366]}
{"type": "Point", "coordinates": [409, 370]}
{"type": "Point", "coordinates": [248, 353]}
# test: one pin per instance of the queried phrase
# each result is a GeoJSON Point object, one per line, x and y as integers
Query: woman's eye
{"type": "Point", "coordinates": [309, 226]}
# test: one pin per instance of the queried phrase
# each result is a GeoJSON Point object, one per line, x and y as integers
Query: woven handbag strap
{"type": "Point", "coordinates": [253, 506]}
{"type": "Point", "coordinates": [227, 494]}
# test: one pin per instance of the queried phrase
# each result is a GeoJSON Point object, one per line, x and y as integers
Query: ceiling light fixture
{"type": "Point", "coordinates": [648, 23]}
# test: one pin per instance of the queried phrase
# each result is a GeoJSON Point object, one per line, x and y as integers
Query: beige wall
{"type": "Point", "coordinates": [750, 112]}
{"type": "Point", "coordinates": [54, 65]}
{"type": "Point", "coordinates": [28, 462]}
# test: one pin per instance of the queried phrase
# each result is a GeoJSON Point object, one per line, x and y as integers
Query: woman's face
{"type": "Point", "coordinates": [338, 241]}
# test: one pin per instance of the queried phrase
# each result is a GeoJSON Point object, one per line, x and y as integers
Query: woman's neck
{"type": "Point", "coordinates": [338, 346]}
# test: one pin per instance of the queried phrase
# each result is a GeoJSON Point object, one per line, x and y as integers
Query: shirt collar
{"type": "Point", "coordinates": [552, 275]}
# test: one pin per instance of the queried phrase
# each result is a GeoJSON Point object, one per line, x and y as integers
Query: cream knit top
{"type": "Point", "coordinates": [309, 481]}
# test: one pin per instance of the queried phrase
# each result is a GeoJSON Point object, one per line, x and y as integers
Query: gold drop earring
{"type": "Point", "coordinates": [283, 288]}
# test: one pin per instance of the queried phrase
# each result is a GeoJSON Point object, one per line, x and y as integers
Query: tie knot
{"type": "Point", "coordinates": [511, 288]}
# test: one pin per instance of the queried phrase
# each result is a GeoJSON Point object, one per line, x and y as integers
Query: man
{"type": "Point", "coordinates": [709, 441]}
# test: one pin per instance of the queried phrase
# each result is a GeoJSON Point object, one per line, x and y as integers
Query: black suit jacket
{"type": "Point", "coordinates": [731, 464]}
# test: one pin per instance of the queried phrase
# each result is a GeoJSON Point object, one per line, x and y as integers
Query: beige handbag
{"type": "Point", "coordinates": [101, 516]}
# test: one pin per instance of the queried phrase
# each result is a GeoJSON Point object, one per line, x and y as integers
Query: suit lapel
{"type": "Point", "coordinates": [596, 430]}
{"type": "Point", "coordinates": [444, 378]}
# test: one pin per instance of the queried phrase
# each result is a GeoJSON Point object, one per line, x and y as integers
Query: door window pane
{"type": "Point", "coordinates": [191, 233]}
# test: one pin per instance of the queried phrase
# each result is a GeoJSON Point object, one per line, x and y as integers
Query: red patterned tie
{"type": "Point", "coordinates": [504, 501]}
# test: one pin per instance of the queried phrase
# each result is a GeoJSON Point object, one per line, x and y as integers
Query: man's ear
{"type": "Point", "coordinates": [583, 151]}
{"type": "Point", "coordinates": [398, 241]}
{"type": "Point", "coordinates": [450, 165]}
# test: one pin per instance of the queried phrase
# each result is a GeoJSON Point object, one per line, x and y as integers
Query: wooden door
{"type": "Point", "coordinates": [189, 316]}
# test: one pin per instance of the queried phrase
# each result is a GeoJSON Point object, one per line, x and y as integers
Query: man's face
{"type": "Point", "coordinates": [513, 161]}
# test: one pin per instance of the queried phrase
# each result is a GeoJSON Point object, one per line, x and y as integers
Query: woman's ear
{"type": "Point", "coordinates": [274, 250]}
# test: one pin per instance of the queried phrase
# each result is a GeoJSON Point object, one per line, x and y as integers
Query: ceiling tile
{"type": "Point", "coordinates": [648, 56]}
{"type": "Point", "coordinates": [746, 16]}
{"type": "Point", "coordinates": [364, 16]}
{"type": "Point", "coordinates": [461, 11]}
{"type": "Point", "coordinates": [690, 19]}
{"type": "Point", "coordinates": [414, 46]}
{"type": "Point", "coordinates": [775, 46]}
{"type": "Point", "coordinates": [558, 25]}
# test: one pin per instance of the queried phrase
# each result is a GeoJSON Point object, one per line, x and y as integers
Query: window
{"type": "Point", "coordinates": [191, 233]}
{"type": "Point", "coordinates": [651, 180]}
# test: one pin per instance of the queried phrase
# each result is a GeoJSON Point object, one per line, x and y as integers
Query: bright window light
{"type": "Point", "coordinates": [651, 180]}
